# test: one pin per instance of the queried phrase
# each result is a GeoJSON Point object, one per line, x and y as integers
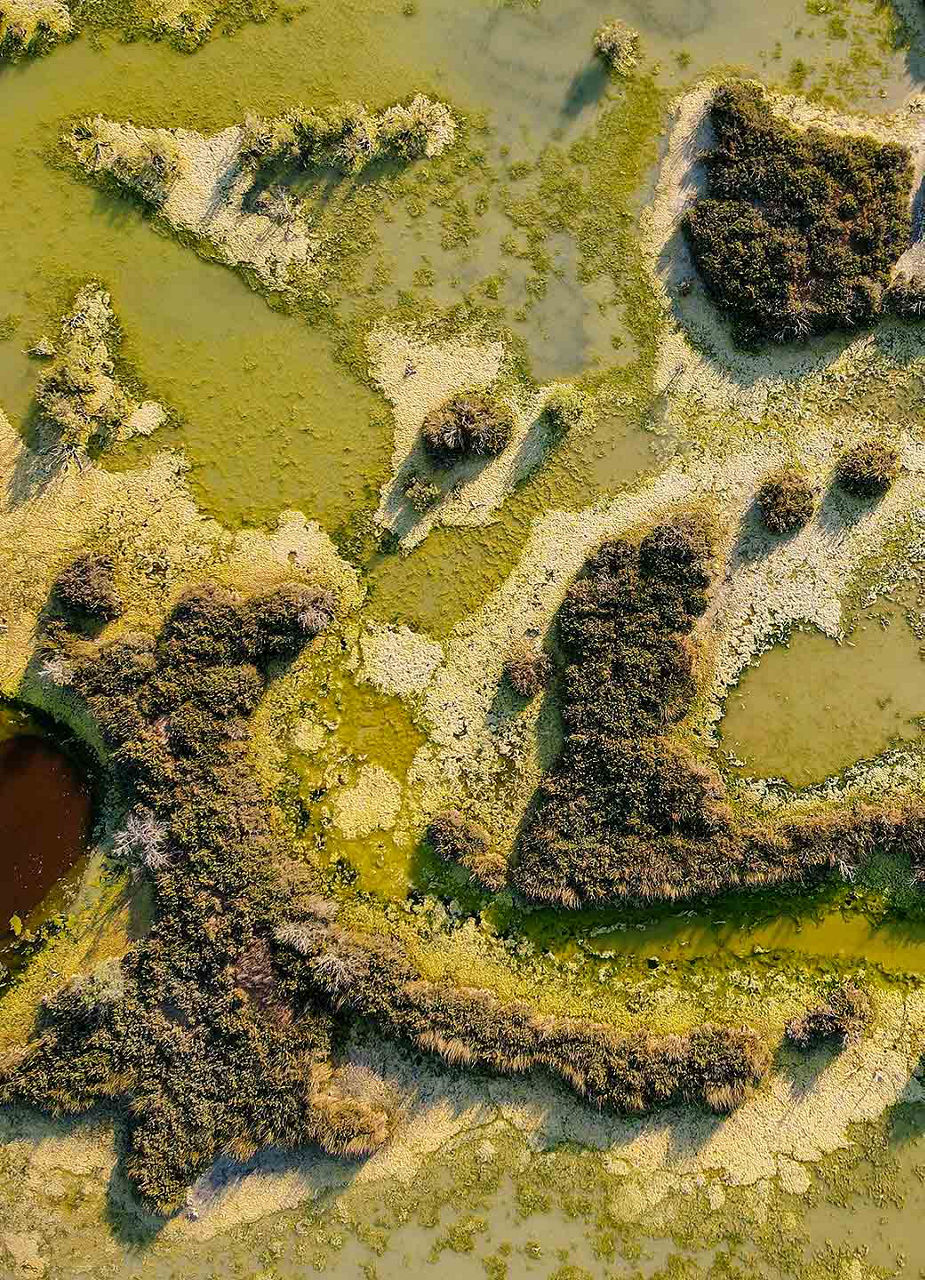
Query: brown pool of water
{"type": "Point", "coordinates": [44, 818]}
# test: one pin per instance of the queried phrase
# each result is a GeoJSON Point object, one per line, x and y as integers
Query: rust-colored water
{"type": "Point", "coordinates": [44, 816]}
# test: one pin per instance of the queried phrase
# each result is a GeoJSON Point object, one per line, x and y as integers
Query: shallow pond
{"type": "Point", "coordinates": [814, 706]}
{"type": "Point", "coordinates": [44, 816]}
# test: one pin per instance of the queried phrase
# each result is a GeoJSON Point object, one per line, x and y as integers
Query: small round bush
{"type": "Point", "coordinates": [565, 407]}
{"type": "Point", "coordinates": [868, 470]}
{"type": "Point", "coordinates": [456, 839]}
{"type": "Point", "coordinates": [466, 425]}
{"type": "Point", "coordinates": [86, 591]}
{"type": "Point", "coordinates": [618, 44]}
{"type": "Point", "coordinates": [843, 1017]}
{"type": "Point", "coordinates": [527, 671]}
{"type": "Point", "coordinates": [421, 494]}
{"type": "Point", "coordinates": [785, 501]}
{"type": "Point", "coordinates": [905, 298]}
{"type": "Point", "coordinates": [281, 621]}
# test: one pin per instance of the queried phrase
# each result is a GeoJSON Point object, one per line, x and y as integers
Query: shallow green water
{"type": "Point", "coordinates": [810, 708]}
{"type": "Point", "coordinates": [272, 416]}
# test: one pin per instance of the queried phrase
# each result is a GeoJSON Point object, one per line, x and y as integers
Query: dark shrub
{"type": "Point", "coordinates": [843, 1016]}
{"type": "Point", "coordinates": [281, 621]}
{"type": "Point", "coordinates": [629, 812]}
{"type": "Point", "coordinates": [205, 625]}
{"type": "Point", "coordinates": [868, 470]}
{"type": "Point", "coordinates": [202, 1050]}
{"type": "Point", "coordinates": [466, 425]}
{"type": "Point", "coordinates": [801, 229]}
{"type": "Point", "coordinates": [527, 671]}
{"type": "Point", "coordinates": [723, 1065]}
{"type": "Point", "coordinates": [714, 1066]}
{"type": "Point", "coordinates": [456, 839]}
{"type": "Point", "coordinates": [86, 591]}
{"type": "Point", "coordinates": [785, 501]}
{"type": "Point", "coordinates": [905, 298]}
{"type": "Point", "coordinates": [679, 551]}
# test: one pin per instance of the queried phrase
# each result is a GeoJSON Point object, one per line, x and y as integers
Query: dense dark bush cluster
{"type": "Point", "coordinates": [843, 1016]}
{"type": "Point", "coordinates": [868, 470]}
{"type": "Point", "coordinates": [467, 425]}
{"type": "Point", "coordinates": [86, 592]}
{"type": "Point", "coordinates": [714, 1066]}
{"type": "Point", "coordinates": [528, 671]}
{"type": "Point", "coordinates": [800, 230]}
{"type": "Point", "coordinates": [457, 839]}
{"type": "Point", "coordinates": [785, 501]}
{"type": "Point", "coordinates": [196, 1034]}
{"type": "Point", "coordinates": [628, 813]}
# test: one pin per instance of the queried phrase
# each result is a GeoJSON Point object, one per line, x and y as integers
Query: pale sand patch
{"type": "Point", "coordinates": [398, 660]}
{"type": "Point", "coordinates": [206, 198]}
{"type": "Point", "coordinates": [371, 803]}
{"type": "Point", "coordinates": [209, 197]}
{"type": "Point", "coordinates": [24, 1249]}
{"type": "Point", "coordinates": [417, 376]}
{"type": "Point", "coordinates": [309, 736]}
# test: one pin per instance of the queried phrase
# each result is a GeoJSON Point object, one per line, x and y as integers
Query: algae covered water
{"type": "Point", "coordinates": [536, 232]}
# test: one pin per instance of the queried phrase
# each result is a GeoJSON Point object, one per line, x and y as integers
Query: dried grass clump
{"type": "Point", "coordinates": [422, 128]}
{"type": "Point", "coordinates": [566, 405]}
{"type": "Point", "coordinates": [801, 228]}
{"type": "Point", "coordinates": [348, 136]}
{"type": "Point", "coordinates": [843, 1016]}
{"type": "Point", "coordinates": [618, 44]}
{"type": "Point", "coordinates": [467, 425]}
{"type": "Point", "coordinates": [868, 470]}
{"type": "Point", "coordinates": [146, 162]}
{"type": "Point", "coordinates": [142, 841]}
{"type": "Point", "coordinates": [80, 395]}
{"type": "Point", "coordinates": [356, 1112]}
{"type": "Point", "coordinates": [86, 591]}
{"type": "Point", "coordinates": [528, 671]}
{"type": "Point", "coordinates": [32, 27]}
{"type": "Point", "coordinates": [456, 838]}
{"type": "Point", "coordinates": [280, 622]}
{"type": "Point", "coordinates": [785, 501]}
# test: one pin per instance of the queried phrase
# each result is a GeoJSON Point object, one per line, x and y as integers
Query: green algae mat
{"type": "Point", "coordinates": [462, 620]}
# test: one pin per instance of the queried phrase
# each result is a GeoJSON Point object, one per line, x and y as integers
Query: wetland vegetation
{"type": "Point", "coordinates": [423, 867]}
